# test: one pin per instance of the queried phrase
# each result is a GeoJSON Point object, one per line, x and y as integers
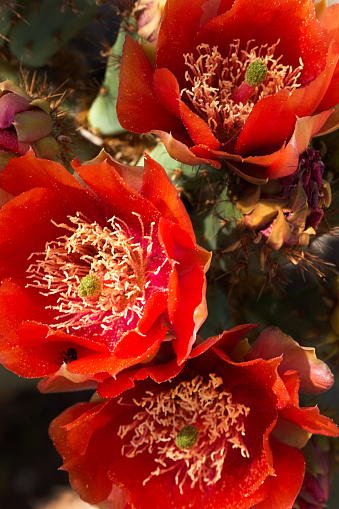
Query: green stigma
{"type": "Point", "coordinates": [187, 437]}
{"type": "Point", "coordinates": [256, 73]}
{"type": "Point", "coordinates": [90, 286]}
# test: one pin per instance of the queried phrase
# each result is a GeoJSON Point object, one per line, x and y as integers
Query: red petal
{"type": "Point", "coordinates": [158, 189]}
{"type": "Point", "coordinates": [176, 35]}
{"type": "Point", "coordinates": [33, 334]}
{"type": "Point", "coordinates": [75, 428]}
{"type": "Point", "coordinates": [289, 466]}
{"type": "Point", "coordinates": [310, 420]}
{"type": "Point", "coordinates": [192, 295]}
{"type": "Point", "coordinates": [331, 98]}
{"type": "Point", "coordinates": [262, 373]}
{"type": "Point", "coordinates": [138, 107]}
{"type": "Point", "coordinates": [112, 387]}
{"type": "Point", "coordinates": [330, 23]}
{"type": "Point", "coordinates": [197, 128]}
{"type": "Point", "coordinates": [277, 115]}
{"type": "Point", "coordinates": [307, 418]}
{"type": "Point", "coordinates": [132, 175]}
{"type": "Point", "coordinates": [131, 349]}
{"type": "Point", "coordinates": [225, 5]}
{"type": "Point", "coordinates": [25, 227]}
{"type": "Point", "coordinates": [295, 24]}
{"type": "Point", "coordinates": [167, 90]}
{"type": "Point", "coordinates": [24, 173]}
{"type": "Point", "coordinates": [120, 200]}
{"type": "Point", "coordinates": [18, 304]}
{"type": "Point", "coordinates": [225, 341]}
{"type": "Point", "coordinates": [173, 293]}
{"type": "Point", "coordinates": [304, 131]}
{"type": "Point", "coordinates": [156, 306]}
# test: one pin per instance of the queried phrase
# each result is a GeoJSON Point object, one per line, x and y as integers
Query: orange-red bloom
{"type": "Point", "coordinates": [204, 98]}
{"type": "Point", "coordinates": [222, 434]}
{"type": "Point", "coordinates": [94, 271]}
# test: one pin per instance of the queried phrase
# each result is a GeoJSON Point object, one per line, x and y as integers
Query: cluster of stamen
{"type": "Point", "coordinates": [191, 428]}
{"type": "Point", "coordinates": [214, 79]}
{"type": "Point", "coordinates": [99, 273]}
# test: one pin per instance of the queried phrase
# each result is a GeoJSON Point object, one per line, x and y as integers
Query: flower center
{"type": "Point", "coordinates": [190, 428]}
{"type": "Point", "coordinates": [100, 274]}
{"type": "Point", "coordinates": [218, 83]}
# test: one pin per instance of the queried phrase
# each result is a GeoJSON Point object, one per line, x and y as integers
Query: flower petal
{"type": "Point", "coordinates": [158, 189]}
{"type": "Point", "coordinates": [43, 173]}
{"type": "Point", "coordinates": [294, 24]}
{"type": "Point", "coordinates": [277, 115]}
{"type": "Point", "coordinates": [192, 295]}
{"type": "Point", "coordinates": [176, 35]}
{"type": "Point", "coordinates": [168, 92]}
{"type": "Point", "coordinates": [136, 87]}
{"type": "Point", "coordinates": [329, 22]}
{"type": "Point", "coordinates": [79, 422]}
{"type": "Point", "coordinates": [107, 184]}
{"type": "Point", "coordinates": [315, 375]}
{"type": "Point", "coordinates": [305, 129]}
{"type": "Point", "coordinates": [10, 104]}
{"type": "Point", "coordinates": [286, 482]}
{"type": "Point", "coordinates": [179, 151]}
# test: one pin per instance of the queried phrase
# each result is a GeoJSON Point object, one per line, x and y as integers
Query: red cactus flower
{"type": "Point", "coordinates": [94, 273]}
{"type": "Point", "coordinates": [249, 82]}
{"type": "Point", "coordinates": [220, 434]}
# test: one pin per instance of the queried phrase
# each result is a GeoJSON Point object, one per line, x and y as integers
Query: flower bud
{"type": "Point", "coordinates": [24, 124]}
{"type": "Point", "coordinates": [149, 15]}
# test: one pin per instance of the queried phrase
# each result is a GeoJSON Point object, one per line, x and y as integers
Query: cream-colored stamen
{"type": "Point", "coordinates": [200, 404]}
{"type": "Point", "coordinates": [99, 273]}
{"type": "Point", "coordinates": [214, 80]}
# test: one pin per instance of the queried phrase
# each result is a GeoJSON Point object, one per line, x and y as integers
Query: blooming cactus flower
{"type": "Point", "coordinates": [94, 273]}
{"type": "Point", "coordinates": [286, 212]}
{"type": "Point", "coordinates": [222, 433]}
{"type": "Point", "coordinates": [246, 81]}
{"type": "Point", "coordinates": [24, 124]}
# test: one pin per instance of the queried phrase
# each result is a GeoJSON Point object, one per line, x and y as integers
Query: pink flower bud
{"type": "Point", "coordinates": [24, 124]}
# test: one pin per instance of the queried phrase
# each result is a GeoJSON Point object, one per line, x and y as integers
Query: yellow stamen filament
{"type": "Point", "coordinates": [204, 405]}
{"type": "Point", "coordinates": [108, 256]}
{"type": "Point", "coordinates": [214, 79]}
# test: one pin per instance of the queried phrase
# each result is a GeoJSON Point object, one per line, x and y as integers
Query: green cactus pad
{"type": "Point", "coordinates": [43, 31]}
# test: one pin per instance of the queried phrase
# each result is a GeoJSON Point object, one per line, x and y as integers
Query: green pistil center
{"type": "Point", "coordinates": [187, 437]}
{"type": "Point", "coordinates": [90, 286]}
{"type": "Point", "coordinates": [256, 73]}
